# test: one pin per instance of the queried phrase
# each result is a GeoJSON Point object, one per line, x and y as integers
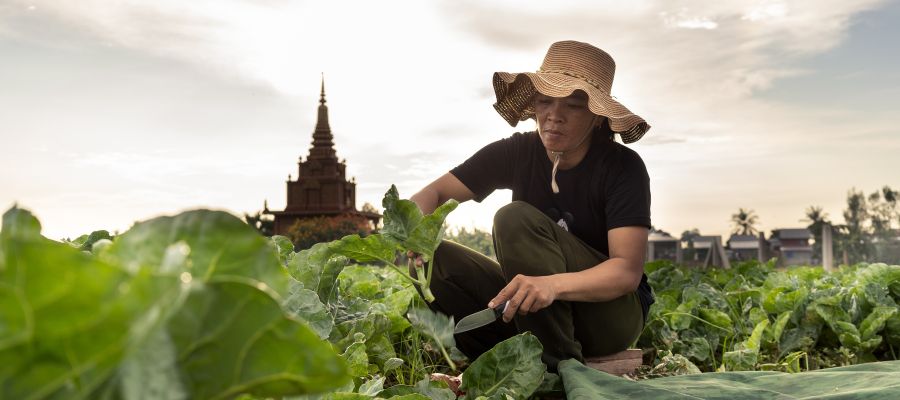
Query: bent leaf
{"type": "Point", "coordinates": [405, 224]}
{"type": "Point", "coordinates": [436, 326]}
{"type": "Point", "coordinates": [513, 367]}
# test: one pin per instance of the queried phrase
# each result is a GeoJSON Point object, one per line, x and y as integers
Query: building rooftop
{"type": "Point", "coordinates": [791, 233]}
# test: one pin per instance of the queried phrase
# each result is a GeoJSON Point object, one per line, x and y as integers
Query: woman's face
{"type": "Point", "coordinates": [563, 121]}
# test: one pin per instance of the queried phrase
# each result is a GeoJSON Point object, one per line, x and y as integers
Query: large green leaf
{"type": "Point", "coordinates": [777, 329]}
{"type": "Point", "coordinates": [368, 325]}
{"type": "Point", "coordinates": [426, 236]}
{"type": "Point", "coordinates": [683, 316]}
{"type": "Point", "coordinates": [746, 354]}
{"type": "Point", "coordinates": [400, 216]}
{"type": "Point", "coordinates": [513, 367]}
{"type": "Point", "coordinates": [380, 350]}
{"type": "Point", "coordinates": [874, 322]}
{"type": "Point", "coordinates": [68, 317]}
{"type": "Point", "coordinates": [360, 281]}
{"type": "Point", "coordinates": [304, 304]}
{"type": "Point", "coordinates": [283, 247]}
{"type": "Point", "coordinates": [151, 370]}
{"type": "Point", "coordinates": [357, 358]}
{"type": "Point", "coordinates": [892, 330]}
{"type": "Point", "coordinates": [435, 325]}
{"type": "Point", "coordinates": [221, 245]}
{"type": "Point", "coordinates": [233, 338]}
{"type": "Point", "coordinates": [781, 299]}
{"type": "Point", "coordinates": [716, 317]}
{"type": "Point", "coordinates": [20, 223]}
{"type": "Point", "coordinates": [405, 224]}
{"type": "Point", "coordinates": [372, 248]}
{"type": "Point", "coordinates": [317, 268]}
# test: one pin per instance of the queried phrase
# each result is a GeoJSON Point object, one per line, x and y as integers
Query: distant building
{"type": "Point", "coordinates": [662, 246]}
{"type": "Point", "coordinates": [706, 251]}
{"type": "Point", "coordinates": [321, 188]}
{"type": "Point", "coordinates": [743, 247]}
{"type": "Point", "coordinates": [791, 246]}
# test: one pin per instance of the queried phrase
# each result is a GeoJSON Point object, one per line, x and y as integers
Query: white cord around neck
{"type": "Point", "coordinates": [553, 186]}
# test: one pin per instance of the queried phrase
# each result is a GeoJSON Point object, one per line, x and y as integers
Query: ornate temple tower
{"type": "Point", "coordinates": [321, 188]}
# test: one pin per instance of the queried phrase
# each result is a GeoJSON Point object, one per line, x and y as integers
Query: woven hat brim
{"type": "Point", "coordinates": [515, 92]}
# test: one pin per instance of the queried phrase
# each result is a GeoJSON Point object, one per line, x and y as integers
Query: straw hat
{"type": "Point", "coordinates": [569, 65]}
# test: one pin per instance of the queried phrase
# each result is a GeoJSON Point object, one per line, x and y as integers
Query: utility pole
{"type": "Point", "coordinates": [827, 248]}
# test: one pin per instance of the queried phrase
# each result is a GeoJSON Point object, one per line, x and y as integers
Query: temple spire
{"type": "Point", "coordinates": [323, 141]}
{"type": "Point", "coordinates": [322, 95]}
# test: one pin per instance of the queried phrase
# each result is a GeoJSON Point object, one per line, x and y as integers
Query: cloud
{"type": "Point", "coordinates": [413, 91]}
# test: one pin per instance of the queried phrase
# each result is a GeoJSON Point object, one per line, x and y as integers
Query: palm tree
{"type": "Point", "coordinates": [817, 218]}
{"type": "Point", "coordinates": [816, 214]}
{"type": "Point", "coordinates": [688, 237]}
{"type": "Point", "coordinates": [744, 222]}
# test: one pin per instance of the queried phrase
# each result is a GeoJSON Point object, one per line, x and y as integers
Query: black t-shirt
{"type": "Point", "coordinates": [608, 189]}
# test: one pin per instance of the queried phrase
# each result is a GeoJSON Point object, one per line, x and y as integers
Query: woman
{"type": "Point", "coordinates": [571, 245]}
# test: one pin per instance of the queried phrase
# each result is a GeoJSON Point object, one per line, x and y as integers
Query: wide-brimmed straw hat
{"type": "Point", "coordinates": [569, 65]}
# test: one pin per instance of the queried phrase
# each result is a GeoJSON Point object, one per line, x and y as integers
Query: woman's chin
{"type": "Point", "coordinates": [554, 145]}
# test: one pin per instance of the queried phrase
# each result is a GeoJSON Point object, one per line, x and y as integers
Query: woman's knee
{"type": "Point", "coordinates": [514, 217]}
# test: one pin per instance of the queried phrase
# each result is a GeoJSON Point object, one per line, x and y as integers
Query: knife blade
{"type": "Point", "coordinates": [479, 319]}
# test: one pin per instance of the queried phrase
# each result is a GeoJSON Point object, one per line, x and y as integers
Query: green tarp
{"type": "Point", "coordinates": [880, 380]}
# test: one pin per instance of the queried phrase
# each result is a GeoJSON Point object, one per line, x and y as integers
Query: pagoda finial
{"type": "Point", "coordinates": [322, 96]}
{"type": "Point", "coordinates": [323, 141]}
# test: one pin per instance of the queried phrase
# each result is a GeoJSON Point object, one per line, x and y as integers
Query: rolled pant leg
{"type": "Point", "coordinates": [527, 242]}
{"type": "Point", "coordinates": [463, 282]}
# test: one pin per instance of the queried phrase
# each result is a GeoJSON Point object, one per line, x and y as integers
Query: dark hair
{"type": "Point", "coordinates": [604, 130]}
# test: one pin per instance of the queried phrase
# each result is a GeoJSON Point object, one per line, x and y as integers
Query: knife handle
{"type": "Point", "coordinates": [498, 311]}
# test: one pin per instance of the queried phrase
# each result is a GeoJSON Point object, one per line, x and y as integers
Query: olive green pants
{"type": "Point", "coordinates": [527, 242]}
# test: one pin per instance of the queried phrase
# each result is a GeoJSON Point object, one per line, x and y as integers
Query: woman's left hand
{"type": "Point", "coordinates": [526, 294]}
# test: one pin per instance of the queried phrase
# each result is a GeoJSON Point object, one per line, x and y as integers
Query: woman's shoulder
{"type": "Point", "coordinates": [619, 159]}
{"type": "Point", "coordinates": [629, 155]}
{"type": "Point", "coordinates": [520, 143]}
{"type": "Point", "coordinates": [524, 137]}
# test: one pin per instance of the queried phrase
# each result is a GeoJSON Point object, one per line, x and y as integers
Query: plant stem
{"type": "Point", "coordinates": [424, 284]}
{"type": "Point", "coordinates": [697, 318]}
{"type": "Point", "coordinates": [399, 271]}
{"type": "Point", "coordinates": [447, 356]}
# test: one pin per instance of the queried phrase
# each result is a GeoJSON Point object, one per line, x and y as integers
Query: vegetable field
{"type": "Point", "coordinates": [200, 306]}
{"type": "Point", "coordinates": [753, 317]}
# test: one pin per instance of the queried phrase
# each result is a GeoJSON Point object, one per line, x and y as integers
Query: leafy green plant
{"type": "Point", "coordinates": [512, 369]}
{"type": "Point", "coordinates": [756, 317]}
{"type": "Point", "coordinates": [406, 229]}
{"type": "Point", "coordinates": [184, 306]}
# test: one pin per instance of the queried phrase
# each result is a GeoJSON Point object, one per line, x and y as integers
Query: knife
{"type": "Point", "coordinates": [479, 319]}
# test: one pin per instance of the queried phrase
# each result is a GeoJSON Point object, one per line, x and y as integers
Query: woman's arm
{"type": "Point", "coordinates": [617, 276]}
{"type": "Point", "coordinates": [438, 192]}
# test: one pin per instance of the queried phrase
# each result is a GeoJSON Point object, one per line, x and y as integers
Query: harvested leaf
{"type": "Point", "coordinates": [513, 367]}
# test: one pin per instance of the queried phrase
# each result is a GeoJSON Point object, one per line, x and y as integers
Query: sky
{"type": "Point", "coordinates": [113, 112]}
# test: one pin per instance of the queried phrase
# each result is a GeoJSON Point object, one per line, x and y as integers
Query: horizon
{"type": "Point", "coordinates": [116, 113]}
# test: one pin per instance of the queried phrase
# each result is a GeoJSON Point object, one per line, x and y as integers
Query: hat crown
{"type": "Point", "coordinates": [582, 61]}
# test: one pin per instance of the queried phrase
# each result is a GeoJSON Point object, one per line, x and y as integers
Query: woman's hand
{"type": "Point", "coordinates": [526, 294]}
{"type": "Point", "coordinates": [415, 256]}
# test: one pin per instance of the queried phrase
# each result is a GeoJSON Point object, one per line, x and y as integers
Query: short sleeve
{"type": "Point", "coordinates": [488, 169]}
{"type": "Point", "coordinates": [628, 193]}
